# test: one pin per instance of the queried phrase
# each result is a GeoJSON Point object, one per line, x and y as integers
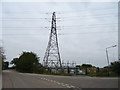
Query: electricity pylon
{"type": "Point", "coordinates": [52, 54]}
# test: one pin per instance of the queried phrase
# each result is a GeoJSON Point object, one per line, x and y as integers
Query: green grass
{"type": "Point", "coordinates": [106, 75]}
{"type": "Point", "coordinates": [100, 75]}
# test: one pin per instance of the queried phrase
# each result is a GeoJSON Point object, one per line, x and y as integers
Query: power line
{"type": "Point", "coordinates": [61, 12]}
{"type": "Point", "coordinates": [27, 12]}
{"type": "Point", "coordinates": [26, 27]}
{"type": "Point", "coordinates": [88, 26]}
{"type": "Point", "coordinates": [92, 25]}
{"type": "Point", "coordinates": [84, 16]}
{"type": "Point", "coordinates": [82, 10]}
{"type": "Point", "coordinates": [26, 18]}
{"type": "Point", "coordinates": [87, 18]}
{"type": "Point", "coordinates": [86, 33]}
{"type": "Point", "coordinates": [60, 33]}
{"type": "Point", "coordinates": [59, 18]}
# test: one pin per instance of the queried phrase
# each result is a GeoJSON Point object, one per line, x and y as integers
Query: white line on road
{"type": "Point", "coordinates": [63, 84]}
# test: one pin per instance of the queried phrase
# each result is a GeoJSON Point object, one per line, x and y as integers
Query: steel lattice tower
{"type": "Point", "coordinates": [52, 55]}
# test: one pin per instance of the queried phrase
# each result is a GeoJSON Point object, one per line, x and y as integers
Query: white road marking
{"type": "Point", "coordinates": [68, 87]}
{"type": "Point", "coordinates": [48, 80]}
{"type": "Point", "coordinates": [66, 84]}
{"type": "Point", "coordinates": [72, 86]}
{"type": "Point", "coordinates": [63, 84]}
{"type": "Point", "coordinates": [51, 80]}
{"type": "Point", "coordinates": [54, 81]}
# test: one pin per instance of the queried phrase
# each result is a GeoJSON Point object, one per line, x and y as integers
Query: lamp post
{"type": "Point", "coordinates": [108, 56]}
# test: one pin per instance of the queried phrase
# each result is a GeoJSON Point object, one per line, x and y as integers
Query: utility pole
{"type": "Point", "coordinates": [52, 55]}
{"type": "Point", "coordinates": [108, 57]}
{"type": "Point", "coordinates": [107, 60]}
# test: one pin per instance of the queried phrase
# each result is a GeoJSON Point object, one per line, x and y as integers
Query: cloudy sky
{"type": "Point", "coordinates": [85, 29]}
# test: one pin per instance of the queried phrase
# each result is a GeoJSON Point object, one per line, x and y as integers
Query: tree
{"type": "Point", "coordinates": [14, 61]}
{"type": "Point", "coordinates": [2, 54]}
{"type": "Point", "coordinates": [85, 66]}
{"type": "Point", "coordinates": [2, 58]}
{"type": "Point", "coordinates": [1, 61]}
{"type": "Point", "coordinates": [115, 67]}
{"type": "Point", "coordinates": [27, 62]}
{"type": "Point", "coordinates": [5, 65]}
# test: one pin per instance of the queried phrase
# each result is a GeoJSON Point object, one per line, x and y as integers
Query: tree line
{"type": "Point", "coordinates": [29, 62]}
{"type": "Point", "coordinates": [5, 64]}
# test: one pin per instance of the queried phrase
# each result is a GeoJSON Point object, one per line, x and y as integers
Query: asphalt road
{"type": "Point", "coordinates": [13, 79]}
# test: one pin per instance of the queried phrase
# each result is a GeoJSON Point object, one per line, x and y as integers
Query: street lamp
{"type": "Point", "coordinates": [108, 56]}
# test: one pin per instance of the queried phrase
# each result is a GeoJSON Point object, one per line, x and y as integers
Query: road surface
{"type": "Point", "coordinates": [13, 79]}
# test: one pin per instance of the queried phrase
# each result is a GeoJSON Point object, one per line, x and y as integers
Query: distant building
{"type": "Point", "coordinates": [81, 71]}
{"type": "Point", "coordinates": [92, 70]}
